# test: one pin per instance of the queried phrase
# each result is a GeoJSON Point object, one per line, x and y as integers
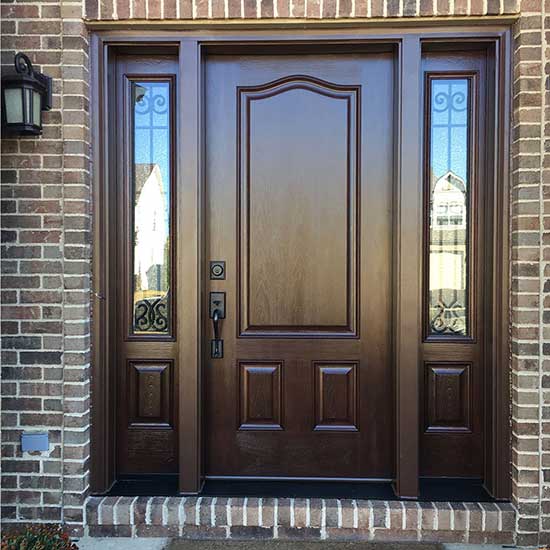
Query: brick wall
{"type": "Point", "coordinates": [315, 9]}
{"type": "Point", "coordinates": [529, 253]}
{"type": "Point", "coordinates": [45, 286]}
{"type": "Point", "coordinates": [46, 273]}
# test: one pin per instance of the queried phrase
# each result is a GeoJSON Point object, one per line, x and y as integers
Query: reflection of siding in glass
{"type": "Point", "coordinates": [449, 206]}
{"type": "Point", "coordinates": [151, 200]}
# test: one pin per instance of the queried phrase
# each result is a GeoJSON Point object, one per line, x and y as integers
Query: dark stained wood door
{"type": "Point", "coordinates": [299, 174]}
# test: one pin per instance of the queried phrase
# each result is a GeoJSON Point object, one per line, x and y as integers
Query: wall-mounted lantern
{"type": "Point", "coordinates": [25, 94]}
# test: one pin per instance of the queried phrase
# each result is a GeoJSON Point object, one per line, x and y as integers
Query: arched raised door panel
{"type": "Point", "coordinates": [288, 285]}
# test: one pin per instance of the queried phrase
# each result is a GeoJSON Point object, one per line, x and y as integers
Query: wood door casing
{"type": "Point", "coordinates": [299, 175]}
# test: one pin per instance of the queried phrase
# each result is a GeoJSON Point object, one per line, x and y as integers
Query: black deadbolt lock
{"type": "Point", "coordinates": [217, 270]}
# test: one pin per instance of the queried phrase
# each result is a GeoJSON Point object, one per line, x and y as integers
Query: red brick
{"type": "Point", "coordinates": [443, 7]}
{"type": "Point", "coordinates": [154, 9]}
{"type": "Point", "coordinates": [139, 8]}
{"type": "Point", "coordinates": [377, 8]}
{"type": "Point", "coordinates": [249, 9]}
{"type": "Point", "coordinates": [14, 11]}
{"type": "Point", "coordinates": [298, 8]}
{"type": "Point", "coordinates": [266, 8]}
{"type": "Point", "coordinates": [92, 9]}
{"type": "Point", "coordinates": [218, 9]}
{"type": "Point", "coordinates": [201, 9]}
{"type": "Point", "coordinates": [344, 8]}
{"type": "Point", "coordinates": [313, 9]}
{"type": "Point", "coordinates": [283, 8]}
{"type": "Point", "coordinates": [329, 9]}
{"type": "Point", "coordinates": [170, 9]}
{"type": "Point", "coordinates": [186, 8]}
{"type": "Point", "coordinates": [392, 8]}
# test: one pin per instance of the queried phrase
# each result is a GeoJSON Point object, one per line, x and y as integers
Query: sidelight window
{"type": "Point", "coordinates": [448, 216]}
{"type": "Point", "coordinates": [151, 189]}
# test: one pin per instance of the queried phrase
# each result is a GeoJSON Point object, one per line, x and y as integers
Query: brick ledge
{"type": "Point", "coordinates": [300, 518]}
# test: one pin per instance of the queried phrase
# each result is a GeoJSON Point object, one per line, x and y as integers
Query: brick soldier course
{"type": "Point", "coordinates": [300, 519]}
{"type": "Point", "coordinates": [46, 206]}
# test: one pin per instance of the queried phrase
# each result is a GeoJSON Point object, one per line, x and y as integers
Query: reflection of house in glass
{"type": "Point", "coordinates": [448, 250]}
{"type": "Point", "coordinates": [151, 246]}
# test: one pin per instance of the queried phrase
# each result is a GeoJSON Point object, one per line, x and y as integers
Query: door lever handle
{"type": "Point", "coordinates": [216, 323]}
{"type": "Point", "coordinates": [217, 312]}
{"type": "Point", "coordinates": [216, 345]}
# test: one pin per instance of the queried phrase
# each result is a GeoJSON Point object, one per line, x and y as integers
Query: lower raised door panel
{"type": "Point", "coordinates": [336, 396]}
{"type": "Point", "coordinates": [260, 396]}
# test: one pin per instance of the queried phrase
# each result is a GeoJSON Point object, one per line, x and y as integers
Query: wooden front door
{"type": "Point", "coordinates": [299, 172]}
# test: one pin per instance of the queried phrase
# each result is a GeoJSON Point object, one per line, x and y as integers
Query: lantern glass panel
{"type": "Point", "coordinates": [28, 105]}
{"type": "Point", "coordinates": [36, 108]}
{"type": "Point", "coordinates": [14, 105]}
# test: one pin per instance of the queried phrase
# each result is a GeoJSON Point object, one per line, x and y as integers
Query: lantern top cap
{"type": "Point", "coordinates": [23, 64]}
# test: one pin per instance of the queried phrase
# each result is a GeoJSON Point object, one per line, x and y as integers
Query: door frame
{"type": "Point", "coordinates": [192, 46]}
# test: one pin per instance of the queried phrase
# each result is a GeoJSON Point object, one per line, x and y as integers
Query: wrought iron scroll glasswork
{"type": "Point", "coordinates": [449, 212]}
{"type": "Point", "coordinates": [151, 315]}
{"type": "Point", "coordinates": [151, 208]}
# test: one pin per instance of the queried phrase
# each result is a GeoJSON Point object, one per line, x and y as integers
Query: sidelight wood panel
{"type": "Point", "coordinates": [448, 401]}
{"type": "Point", "coordinates": [289, 285]}
{"type": "Point", "coordinates": [151, 386]}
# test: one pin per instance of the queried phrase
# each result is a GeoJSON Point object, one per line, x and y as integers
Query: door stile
{"type": "Point", "coordinates": [407, 262]}
{"type": "Point", "coordinates": [189, 280]}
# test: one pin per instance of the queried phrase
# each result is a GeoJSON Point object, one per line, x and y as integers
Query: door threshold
{"type": "Point", "coordinates": [145, 485]}
{"type": "Point", "coordinates": [431, 489]}
{"type": "Point", "coordinates": [299, 488]}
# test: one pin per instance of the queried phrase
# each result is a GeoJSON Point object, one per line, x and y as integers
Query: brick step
{"type": "Point", "coordinates": [300, 519]}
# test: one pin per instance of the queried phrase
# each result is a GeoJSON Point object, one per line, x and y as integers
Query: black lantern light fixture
{"type": "Point", "coordinates": [25, 94]}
